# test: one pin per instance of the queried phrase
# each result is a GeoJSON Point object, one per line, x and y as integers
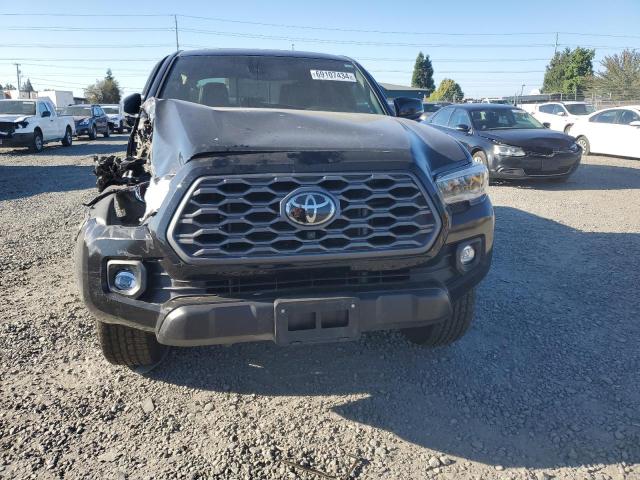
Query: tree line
{"type": "Point", "coordinates": [105, 91]}
{"type": "Point", "coordinates": [569, 72]}
{"type": "Point", "coordinates": [423, 78]}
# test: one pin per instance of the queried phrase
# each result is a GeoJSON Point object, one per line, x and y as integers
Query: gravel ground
{"type": "Point", "coordinates": [545, 385]}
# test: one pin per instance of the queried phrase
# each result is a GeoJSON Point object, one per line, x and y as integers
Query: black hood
{"type": "Point", "coordinates": [539, 140]}
{"type": "Point", "coordinates": [184, 130]}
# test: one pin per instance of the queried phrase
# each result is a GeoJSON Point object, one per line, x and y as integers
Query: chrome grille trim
{"type": "Point", "coordinates": [237, 218]}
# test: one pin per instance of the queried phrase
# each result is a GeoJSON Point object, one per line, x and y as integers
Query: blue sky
{"type": "Point", "coordinates": [490, 48]}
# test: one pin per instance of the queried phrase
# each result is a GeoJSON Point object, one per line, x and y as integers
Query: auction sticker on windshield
{"type": "Point", "coordinates": [329, 75]}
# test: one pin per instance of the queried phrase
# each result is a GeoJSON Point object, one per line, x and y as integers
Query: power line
{"type": "Point", "coordinates": [313, 27]}
{"type": "Point", "coordinates": [83, 15]}
{"type": "Point", "coordinates": [91, 29]}
{"type": "Point", "coordinates": [80, 45]}
{"type": "Point", "coordinates": [140, 70]}
{"type": "Point", "coordinates": [76, 59]}
{"type": "Point", "coordinates": [359, 42]}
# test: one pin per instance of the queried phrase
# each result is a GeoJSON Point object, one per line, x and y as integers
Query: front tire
{"type": "Point", "coordinates": [67, 141]}
{"type": "Point", "coordinates": [120, 128]}
{"type": "Point", "coordinates": [107, 132]}
{"type": "Point", "coordinates": [93, 133]}
{"type": "Point", "coordinates": [129, 346]}
{"type": "Point", "coordinates": [584, 144]}
{"type": "Point", "coordinates": [37, 143]}
{"type": "Point", "coordinates": [450, 329]}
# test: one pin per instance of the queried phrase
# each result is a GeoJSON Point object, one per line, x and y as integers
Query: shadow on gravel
{"type": "Point", "coordinates": [99, 146]}
{"type": "Point", "coordinates": [587, 177]}
{"type": "Point", "coordinates": [21, 181]}
{"type": "Point", "coordinates": [547, 377]}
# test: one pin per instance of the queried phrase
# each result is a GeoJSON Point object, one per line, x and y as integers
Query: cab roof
{"type": "Point", "coordinates": [255, 52]}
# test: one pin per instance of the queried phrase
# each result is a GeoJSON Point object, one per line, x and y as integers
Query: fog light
{"type": "Point", "coordinates": [125, 280]}
{"type": "Point", "coordinates": [126, 277]}
{"type": "Point", "coordinates": [467, 254]}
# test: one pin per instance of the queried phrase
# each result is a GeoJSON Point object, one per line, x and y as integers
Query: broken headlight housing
{"type": "Point", "coordinates": [467, 184]}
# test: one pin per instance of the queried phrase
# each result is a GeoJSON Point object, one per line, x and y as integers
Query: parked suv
{"type": "Point", "coordinates": [271, 195]}
{"type": "Point", "coordinates": [560, 116]}
{"type": "Point", "coordinates": [115, 118]}
{"type": "Point", "coordinates": [90, 120]}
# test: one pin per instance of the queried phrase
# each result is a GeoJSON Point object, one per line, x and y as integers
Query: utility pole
{"type": "Point", "coordinates": [175, 21]}
{"type": "Point", "coordinates": [555, 50]}
{"type": "Point", "coordinates": [18, 75]}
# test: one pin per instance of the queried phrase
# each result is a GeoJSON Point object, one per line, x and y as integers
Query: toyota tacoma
{"type": "Point", "coordinates": [272, 195]}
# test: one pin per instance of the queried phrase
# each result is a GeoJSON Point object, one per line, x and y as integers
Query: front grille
{"type": "Point", "coordinates": [7, 127]}
{"type": "Point", "coordinates": [162, 287]}
{"type": "Point", "coordinates": [239, 218]}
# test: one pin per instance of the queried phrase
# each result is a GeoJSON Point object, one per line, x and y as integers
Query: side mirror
{"type": "Point", "coordinates": [635, 123]}
{"type": "Point", "coordinates": [131, 104]}
{"type": "Point", "coordinates": [46, 113]}
{"type": "Point", "coordinates": [546, 125]}
{"type": "Point", "coordinates": [408, 108]}
{"type": "Point", "coordinates": [561, 114]}
{"type": "Point", "coordinates": [463, 128]}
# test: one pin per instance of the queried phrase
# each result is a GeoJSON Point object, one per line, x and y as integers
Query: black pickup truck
{"type": "Point", "coordinates": [273, 195]}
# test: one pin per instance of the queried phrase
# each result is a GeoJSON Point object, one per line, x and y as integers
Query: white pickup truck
{"type": "Point", "coordinates": [33, 123]}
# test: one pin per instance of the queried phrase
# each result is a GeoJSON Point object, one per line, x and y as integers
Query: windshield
{"type": "Point", "coordinates": [271, 82]}
{"type": "Point", "coordinates": [17, 107]}
{"type": "Point", "coordinates": [111, 110]}
{"type": "Point", "coordinates": [502, 119]}
{"type": "Point", "coordinates": [78, 111]}
{"type": "Point", "coordinates": [579, 109]}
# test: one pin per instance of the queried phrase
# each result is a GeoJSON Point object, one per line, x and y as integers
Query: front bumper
{"type": "Point", "coordinates": [16, 140]}
{"type": "Point", "coordinates": [283, 305]}
{"type": "Point", "coordinates": [533, 166]}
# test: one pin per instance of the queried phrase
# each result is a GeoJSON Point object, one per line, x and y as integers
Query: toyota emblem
{"type": "Point", "coordinates": [309, 208]}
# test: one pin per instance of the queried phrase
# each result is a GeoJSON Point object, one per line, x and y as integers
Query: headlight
{"type": "Point", "coordinates": [462, 185]}
{"type": "Point", "coordinates": [22, 124]}
{"type": "Point", "coordinates": [508, 151]}
{"type": "Point", "coordinates": [155, 194]}
{"type": "Point", "coordinates": [574, 147]}
{"type": "Point", "coordinates": [83, 122]}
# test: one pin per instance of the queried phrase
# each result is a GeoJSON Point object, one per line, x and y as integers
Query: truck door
{"type": "Point", "coordinates": [46, 121]}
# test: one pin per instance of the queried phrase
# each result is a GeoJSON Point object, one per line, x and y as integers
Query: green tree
{"type": "Point", "coordinates": [448, 90]}
{"type": "Point", "coordinates": [621, 75]}
{"type": "Point", "coordinates": [423, 74]}
{"type": "Point", "coordinates": [569, 71]}
{"type": "Point", "coordinates": [106, 90]}
{"type": "Point", "coordinates": [27, 87]}
{"type": "Point", "coordinates": [9, 86]}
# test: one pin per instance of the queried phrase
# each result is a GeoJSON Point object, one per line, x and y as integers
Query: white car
{"type": "Point", "coordinates": [116, 118]}
{"type": "Point", "coordinates": [612, 131]}
{"type": "Point", "coordinates": [33, 123]}
{"type": "Point", "coordinates": [561, 115]}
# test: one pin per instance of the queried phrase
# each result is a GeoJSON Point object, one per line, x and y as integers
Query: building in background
{"type": "Point", "coordinates": [60, 98]}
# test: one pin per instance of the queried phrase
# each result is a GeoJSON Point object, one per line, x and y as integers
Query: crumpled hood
{"type": "Point", "coordinates": [14, 118]}
{"type": "Point", "coordinates": [531, 139]}
{"type": "Point", "coordinates": [182, 130]}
